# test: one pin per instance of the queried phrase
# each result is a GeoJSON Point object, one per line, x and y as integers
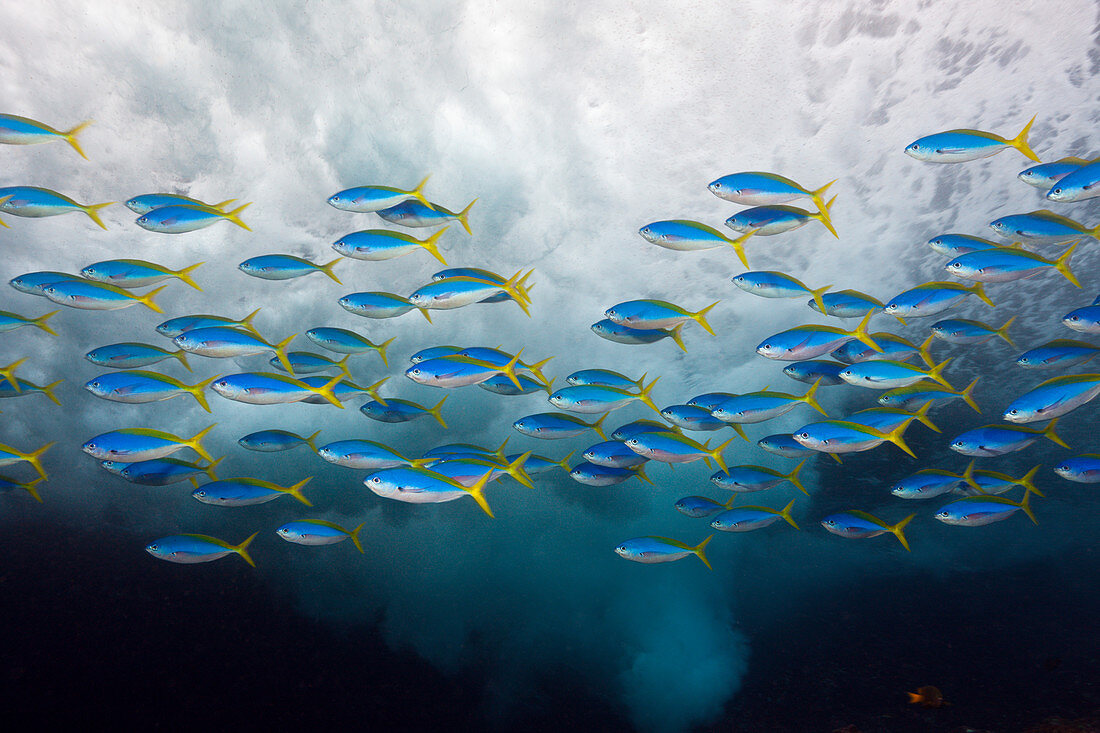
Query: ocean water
{"type": "Point", "coordinates": [573, 125]}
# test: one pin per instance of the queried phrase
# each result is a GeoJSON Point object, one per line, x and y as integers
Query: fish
{"type": "Point", "coordinates": [637, 427]}
{"type": "Point", "coordinates": [755, 407]}
{"type": "Point", "coordinates": [955, 245]}
{"type": "Point", "coordinates": [367, 455]}
{"type": "Point", "coordinates": [756, 478]}
{"type": "Point", "coordinates": [1084, 469]}
{"type": "Point", "coordinates": [132, 445]}
{"type": "Point", "coordinates": [344, 390]}
{"type": "Point", "coordinates": [709, 401]}
{"type": "Point", "coordinates": [771, 284]}
{"type": "Point", "coordinates": [748, 518]}
{"type": "Point", "coordinates": [1058, 353]}
{"type": "Point", "coordinates": [342, 340]}
{"type": "Point", "coordinates": [432, 352]}
{"type": "Point", "coordinates": [272, 441]}
{"type": "Point", "coordinates": [675, 448]}
{"type": "Point", "coordinates": [997, 440]}
{"type": "Point", "coordinates": [612, 331]}
{"type": "Point", "coordinates": [921, 392]}
{"type": "Point", "coordinates": [456, 292]}
{"type": "Point", "coordinates": [478, 274]}
{"type": "Point", "coordinates": [501, 358]}
{"type": "Point", "coordinates": [10, 455]}
{"type": "Point", "coordinates": [877, 374]}
{"type": "Point", "coordinates": [34, 283]}
{"type": "Point", "coordinates": [931, 298]}
{"type": "Point", "coordinates": [656, 314]}
{"type": "Point", "coordinates": [989, 483]}
{"type": "Point", "coordinates": [688, 417]}
{"type": "Point", "coordinates": [501, 384]}
{"type": "Point", "coordinates": [589, 399]}
{"type": "Point", "coordinates": [784, 444]}
{"type": "Point", "coordinates": [16, 130]}
{"type": "Point", "coordinates": [963, 331]}
{"type": "Point", "coordinates": [977, 511]}
{"type": "Point", "coordinates": [928, 483]}
{"type": "Point", "coordinates": [698, 507]}
{"type": "Point", "coordinates": [35, 202]}
{"type": "Point", "coordinates": [1045, 175]}
{"type": "Point", "coordinates": [1042, 226]}
{"type": "Point", "coordinates": [166, 471]}
{"type": "Point", "coordinates": [130, 355]}
{"type": "Point", "coordinates": [1053, 398]}
{"type": "Point", "coordinates": [31, 487]}
{"type": "Point", "coordinates": [888, 418]}
{"type": "Point", "coordinates": [395, 410]}
{"type": "Point", "coordinates": [825, 373]}
{"type": "Point", "coordinates": [376, 245]}
{"type": "Point", "coordinates": [1007, 264]}
{"type": "Point", "coordinates": [858, 525]}
{"type": "Point", "coordinates": [314, 532]}
{"type": "Point", "coordinates": [183, 218]}
{"type": "Point", "coordinates": [846, 304]}
{"type": "Point", "coordinates": [651, 550]}
{"type": "Point", "coordinates": [146, 202]}
{"type": "Point", "coordinates": [415, 214]}
{"type": "Point", "coordinates": [684, 235]}
{"type": "Point", "coordinates": [137, 273]}
{"type": "Point", "coordinates": [424, 486]}
{"type": "Point", "coordinates": [843, 436]}
{"type": "Point", "coordinates": [91, 295]}
{"type": "Point", "coordinates": [893, 348]}
{"type": "Point", "coordinates": [613, 454]}
{"type": "Point", "coordinates": [928, 697]}
{"type": "Point", "coordinates": [10, 321]}
{"type": "Point", "coordinates": [307, 362]}
{"type": "Point", "coordinates": [175, 326]}
{"type": "Point", "coordinates": [267, 388]}
{"type": "Point", "coordinates": [236, 492]}
{"type": "Point", "coordinates": [766, 221]}
{"type": "Point", "coordinates": [195, 548]}
{"type": "Point", "coordinates": [538, 464]}
{"type": "Point", "coordinates": [759, 188]}
{"type": "Point", "coordinates": [556, 426]}
{"type": "Point", "coordinates": [377, 304]}
{"type": "Point", "coordinates": [137, 387]}
{"type": "Point", "coordinates": [285, 267]}
{"type": "Point", "coordinates": [593, 474]}
{"type": "Point", "coordinates": [1077, 185]}
{"type": "Point", "coordinates": [959, 146]}
{"type": "Point", "coordinates": [223, 342]}
{"type": "Point", "coordinates": [367, 199]}
{"type": "Point", "coordinates": [811, 341]}
{"type": "Point", "coordinates": [1083, 320]}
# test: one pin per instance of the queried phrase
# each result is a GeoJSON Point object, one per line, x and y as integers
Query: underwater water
{"type": "Point", "coordinates": [573, 126]}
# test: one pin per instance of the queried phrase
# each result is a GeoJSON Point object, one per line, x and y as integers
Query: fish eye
{"type": "Point", "coordinates": [154, 547]}
{"type": "Point", "coordinates": [803, 435]}
{"type": "Point", "coordinates": [1057, 190]}
{"type": "Point", "coordinates": [1012, 412]}
{"type": "Point", "coordinates": [1075, 319]}
{"type": "Point", "coordinates": [717, 184]}
{"type": "Point", "coordinates": [200, 493]}
{"type": "Point", "coordinates": [376, 480]}
{"type": "Point", "coordinates": [95, 384]}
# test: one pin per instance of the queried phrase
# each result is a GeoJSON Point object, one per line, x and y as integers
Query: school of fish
{"type": "Point", "coordinates": [908, 378]}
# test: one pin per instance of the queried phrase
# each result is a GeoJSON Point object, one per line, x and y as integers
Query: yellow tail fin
{"type": "Point", "coordinates": [793, 478]}
{"type": "Point", "coordinates": [35, 458]}
{"type": "Point", "coordinates": [822, 216]}
{"type": "Point", "coordinates": [182, 356]}
{"type": "Point", "coordinates": [464, 219]}
{"type": "Point", "coordinates": [817, 297]}
{"type": "Point", "coordinates": [48, 391]}
{"type": "Point", "coordinates": [381, 349]}
{"type": "Point", "coordinates": [185, 275]}
{"type": "Point", "coordinates": [863, 334]}
{"type": "Point", "coordinates": [70, 137]}
{"type": "Point", "coordinates": [195, 443]}
{"type": "Point", "coordinates": [327, 269]}
{"type": "Point", "coordinates": [418, 194]}
{"type": "Point", "coordinates": [1020, 142]}
{"type": "Point", "coordinates": [1061, 264]}
{"type": "Point", "coordinates": [968, 396]}
{"type": "Point", "coordinates": [430, 243]}
{"type": "Point", "coordinates": [1048, 432]}
{"type": "Point", "coordinates": [676, 334]}
{"type": "Point", "coordinates": [699, 551]}
{"type": "Point", "coordinates": [40, 322]}
{"type": "Point", "coordinates": [147, 299]}
{"type": "Point", "coordinates": [478, 491]}
{"type": "Point", "coordinates": [242, 550]}
{"type": "Point", "coordinates": [700, 317]}
{"type": "Point", "coordinates": [354, 534]}
{"type": "Point", "coordinates": [8, 372]}
{"type": "Point", "coordinates": [979, 290]}
{"type": "Point", "coordinates": [296, 491]}
{"type": "Point", "coordinates": [92, 210]}
{"type": "Point", "coordinates": [738, 246]}
{"type": "Point", "coordinates": [785, 512]}
{"type": "Point", "coordinates": [437, 413]}
{"type": "Point", "coordinates": [235, 216]}
{"type": "Point", "coordinates": [198, 391]}
{"type": "Point", "coordinates": [819, 202]}
{"type": "Point", "coordinates": [810, 397]}
{"type": "Point", "coordinates": [899, 531]}
{"type": "Point", "coordinates": [1003, 332]}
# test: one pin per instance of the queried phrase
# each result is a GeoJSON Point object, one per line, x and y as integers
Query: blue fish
{"type": "Point", "coordinates": [237, 492]}
{"type": "Point", "coordinates": [91, 295]}
{"type": "Point", "coordinates": [366, 455]}
{"type": "Point", "coordinates": [395, 411]}
{"type": "Point", "coordinates": [688, 417]}
{"type": "Point", "coordinates": [661, 549]}
{"type": "Point", "coordinates": [365, 199]}
{"type": "Point", "coordinates": [613, 454]}
{"type": "Point", "coordinates": [434, 352]}
{"type": "Point", "coordinates": [698, 507]}
{"type": "Point", "coordinates": [1042, 227]}
{"type": "Point", "coordinates": [315, 532]}
{"type": "Point", "coordinates": [285, 267]}
{"type": "Point", "coordinates": [766, 221]}
{"type": "Point", "coordinates": [1077, 185]}
{"type": "Point", "coordinates": [130, 355]}
{"type": "Point", "coordinates": [16, 130]}
{"type": "Point", "coordinates": [976, 511]}
{"type": "Point", "coordinates": [931, 298]}
{"type": "Point", "coordinates": [612, 331]}
{"type": "Point", "coordinates": [964, 331]}
{"type": "Point", "coordinates": [771, 284]}
{"type": "Point", "coordinates": [376, 245]}
{"type": "Point", "coordinates": [1084, 320]}
{"type": "Point", "coordinates": [928, 483]}
{"type": "Point", "coordinates": [784, 444]}
{"type": "Point", "coordinates": [1053, 398]}
{"type": "Point", "coordinates": [846, 304]}
{"type": "Point", "coordinates": [958, 146]}
{"type": "Point", "coordinates": [683, 235]}
{"type": "Point", "coordinates": [195, 548]}
{"type": "Point", "coordinates": [954, 245]}
{"type": "Point", "coordinates": [146, 202]}
{"type": "Point", "coordinates": [35, 283]}
{"type": "Point", "coordinates": [411, 213]}
{"type": "Point", "coordinates": [997, 440]}
{"type": "Point", "coordinates": [1084, 469]}
{"type": "Point", "coordinates": [556, 426]}
{"type": "Point", "coordinates": [1006, 264]}
{"type": "Point", "coordinates": [137, 273]}
{"type": "Point", "coordinates": [343, 341]}
{"type": "Point", "coordinates": [31, 487]}
{"type": "Point", "coordinates": [133, 445]}
{"type": "Point", "coordinates": [748, 518]}
{"type": "Point", "coordinates": [1045, 175]}
{"type": "Point", "coordinates": [34, 202]}
{"type": "Point", "coordinates": [858, 525]}
{"type": "Point", "coordinates": [826, 373]}
{"type": "Point", "coordinates": [1060, 353]}
{"type": "Point", "coordinates": [593, 474]}
{"type": "Point", "coordinates": [378, 304]}
{"type": "Point", "coordinates": [179, 219]}
{"type": "Point", "coordinates": [759, 188]}
{"type": "Point", "coordinates": [272, 441]}
{"type": "Point", "coordinates": [11, 321]}
{"type": "Point", "coordinates": [629, 430]}
{"type": "Point", "coordinates": [175, 326]}
{"type": "Point", "coordinates": [166, 471]}
{"type": "Point", "coordinates": [743, 479]}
